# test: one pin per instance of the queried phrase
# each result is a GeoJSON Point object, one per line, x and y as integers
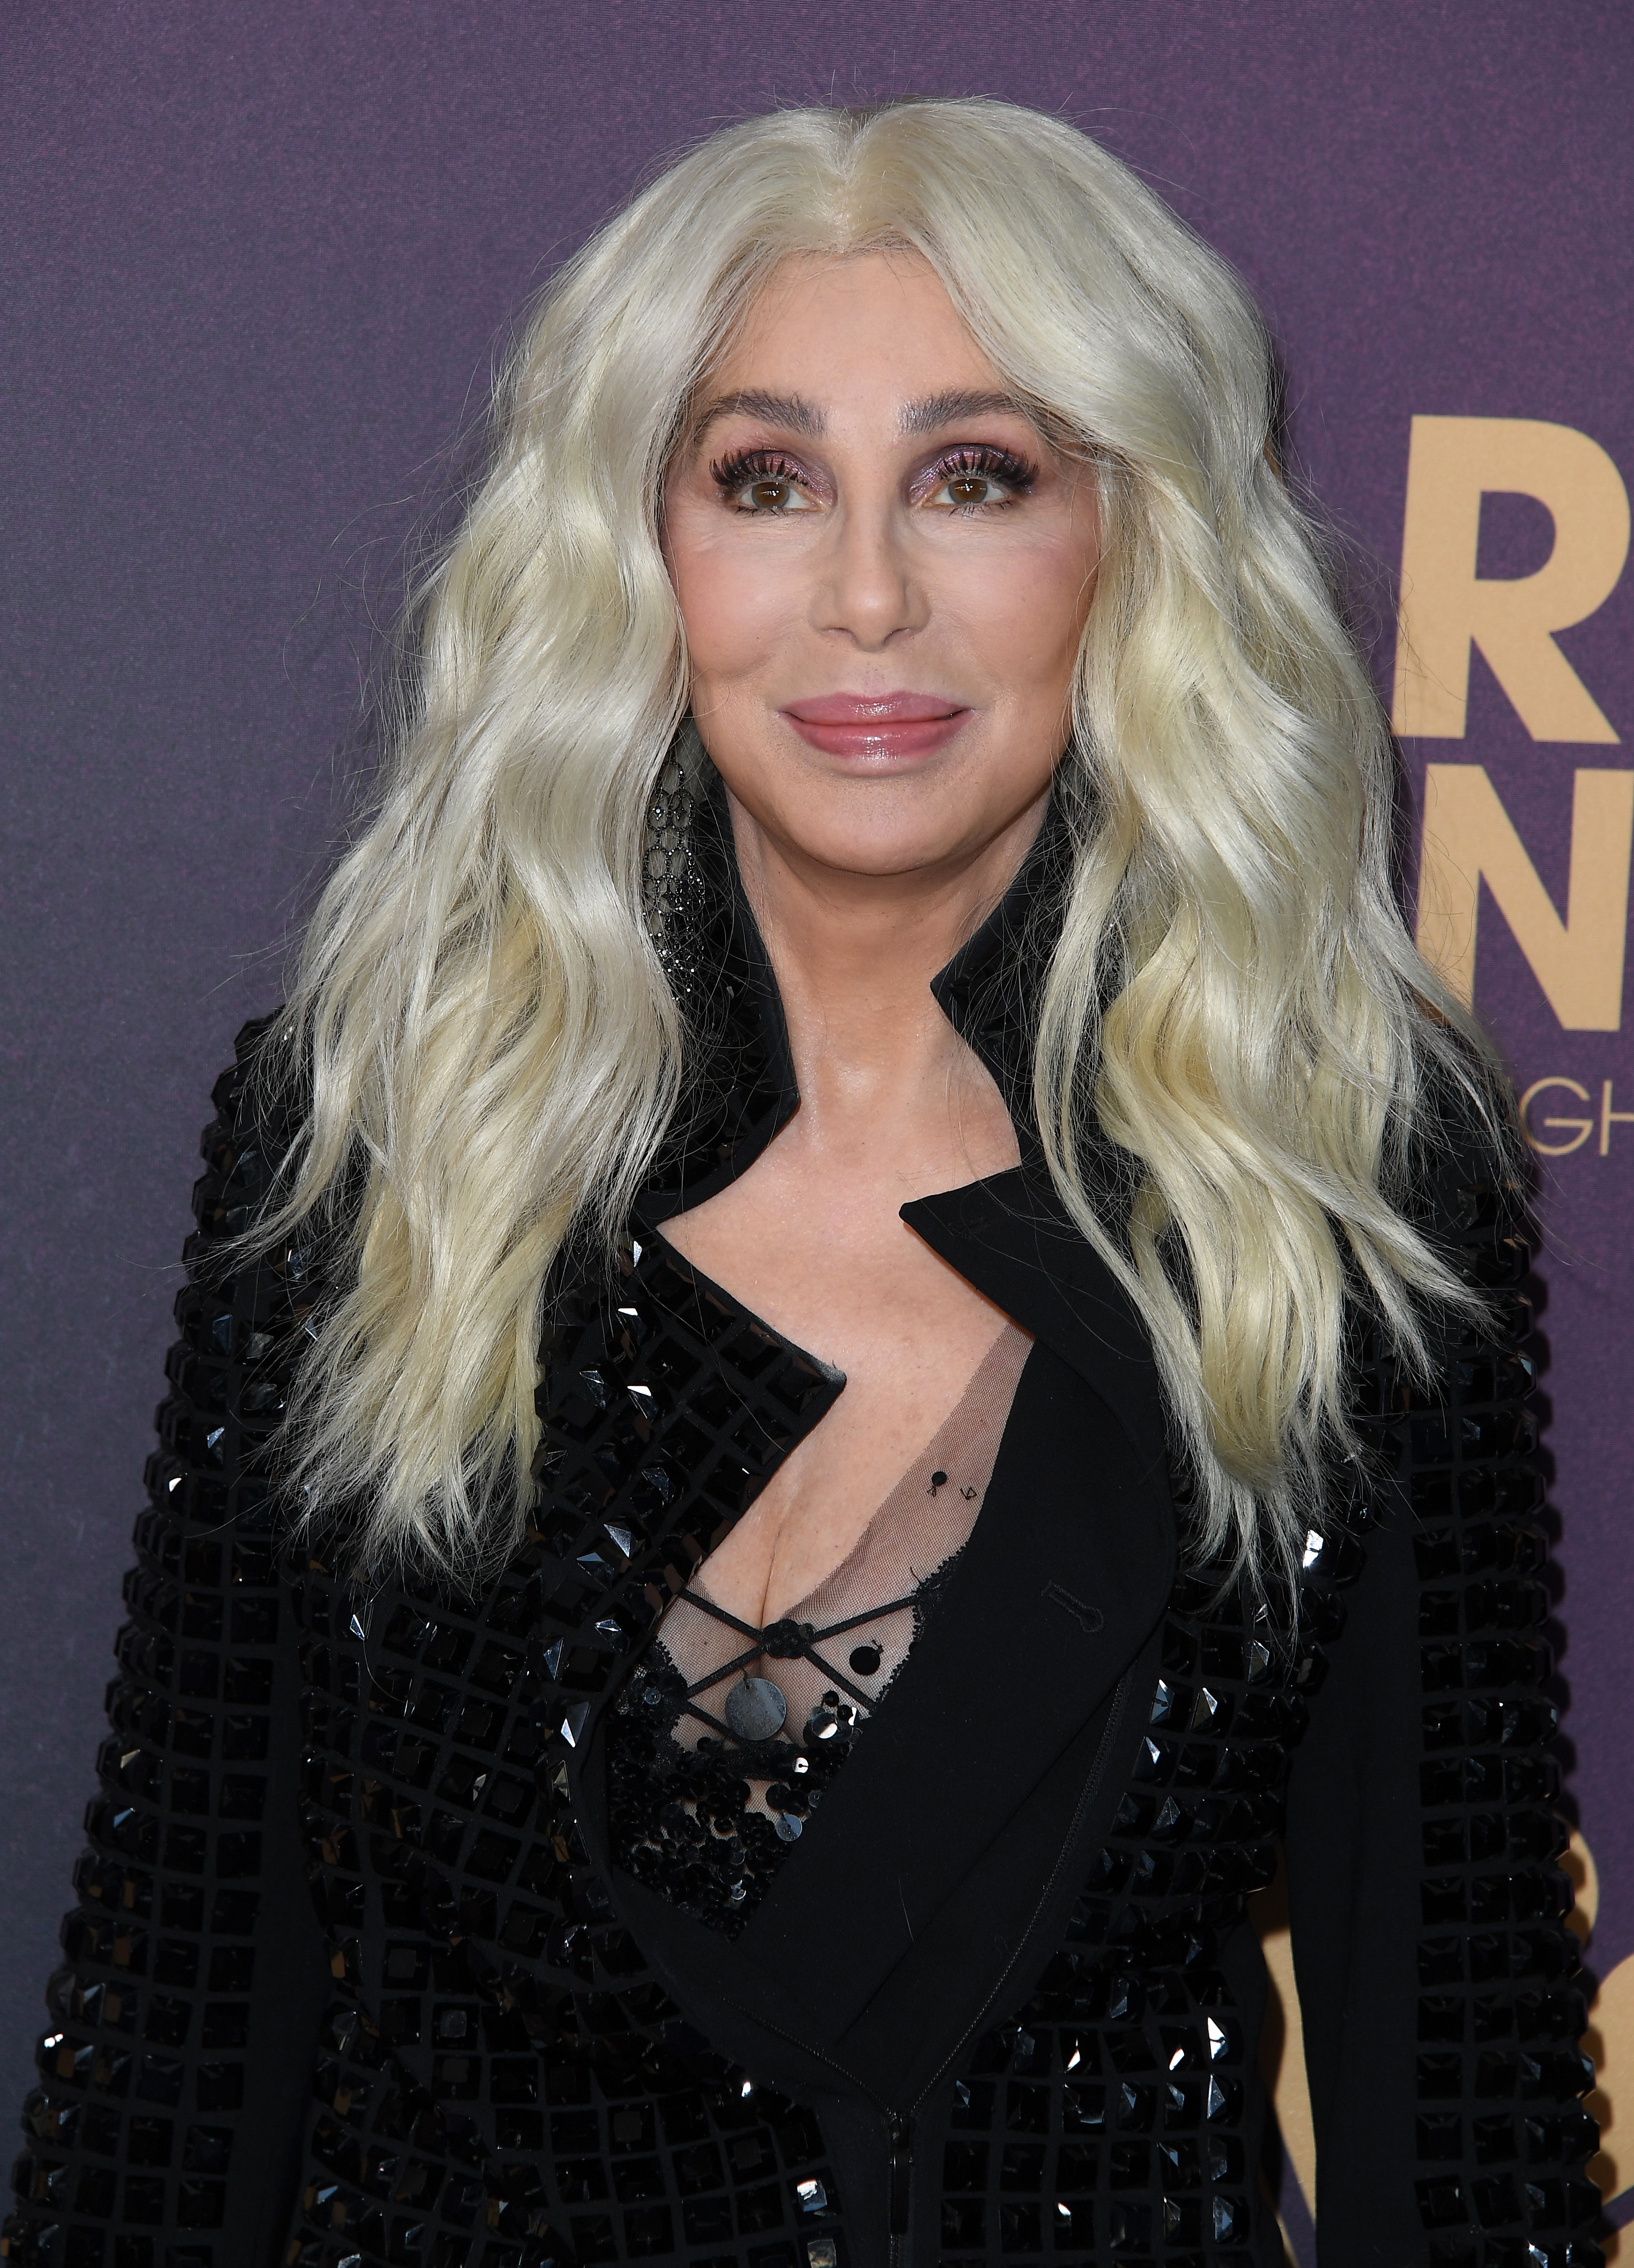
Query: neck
{"type": "Point", "coordinates": [854, 955]}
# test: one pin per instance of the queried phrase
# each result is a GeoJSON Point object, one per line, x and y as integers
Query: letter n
{"type": "Point", "coordinates": [1446, 607]}
{"type": "Point", "coordinates": [1469, 836]}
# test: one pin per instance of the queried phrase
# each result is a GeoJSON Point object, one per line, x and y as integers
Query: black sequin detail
{"type": "Point", "coordinates": [681, 1817]}
{"type": "Point", "coordinates": [678, 1815]}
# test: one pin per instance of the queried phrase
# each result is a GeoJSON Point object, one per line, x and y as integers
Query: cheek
{"type": "Point", "coordinates": [730, 605]}
{"type": "Point", "coordinates": [1024, 610]}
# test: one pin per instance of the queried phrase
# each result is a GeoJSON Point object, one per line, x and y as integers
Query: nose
{"type": "Point", "coordinates": [869, 593]}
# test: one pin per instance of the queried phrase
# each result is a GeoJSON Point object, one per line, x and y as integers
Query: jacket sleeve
{"type": "Point", "coordinates": [1437, 1981]}
{"type": "Point", "coordinates": [173, 2078]}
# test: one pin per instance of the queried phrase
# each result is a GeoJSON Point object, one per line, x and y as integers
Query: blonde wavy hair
{"type": "Point", "coordinates": [493, 1051]}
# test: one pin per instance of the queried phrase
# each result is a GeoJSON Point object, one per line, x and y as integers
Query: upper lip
{"type": "Point", "coordinates": [873, 707]}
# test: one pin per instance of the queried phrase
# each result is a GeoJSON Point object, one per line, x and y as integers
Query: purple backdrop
{"type": "Point", "coordinates": [256, 264]}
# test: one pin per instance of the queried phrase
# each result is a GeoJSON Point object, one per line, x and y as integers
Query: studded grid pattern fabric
{"type": "Point", "coordinates": [499, 2079]}
{"type": "Point", "coordinates": [136, 2122]}
{"type": "Point", "coordinates": [1501, 2140]}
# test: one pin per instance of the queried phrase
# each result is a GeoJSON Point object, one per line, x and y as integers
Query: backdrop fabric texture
{"type": "Point", "coordinates": [258, 268]}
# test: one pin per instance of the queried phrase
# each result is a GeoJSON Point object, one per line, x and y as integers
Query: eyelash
{"type": "Point", "coordinates": [733, 474]}
{"type": "Point", "coordinates": [982, 461]}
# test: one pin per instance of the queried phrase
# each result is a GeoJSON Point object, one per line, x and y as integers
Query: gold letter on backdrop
{"type": "Point", "coordinates": [1468, 834]}
{"type": "Point", "coordinates": [1452, 462]}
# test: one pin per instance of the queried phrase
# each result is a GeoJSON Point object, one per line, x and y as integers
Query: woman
{"type": "Point", "coordinates": [876, 938]}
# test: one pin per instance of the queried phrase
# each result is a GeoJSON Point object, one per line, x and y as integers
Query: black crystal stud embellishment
{"type": "Point", "coordinates": [755, 1709]}
{"type": "Point", "coordinates": [866, 1659]}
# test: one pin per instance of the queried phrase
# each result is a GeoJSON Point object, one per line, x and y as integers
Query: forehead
{"type": "Point", "coordinates": [872, 323]}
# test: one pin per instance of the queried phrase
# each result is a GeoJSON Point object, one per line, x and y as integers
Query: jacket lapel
{"type": "Point", "coordinates": [1063, 1580]}
{"type": "Point", "coordinates": [1011, 1237]}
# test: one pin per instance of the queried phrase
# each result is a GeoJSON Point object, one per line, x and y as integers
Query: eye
{"type": "Point", "coordinates": [966, 491]}
{"type": "Point", "coordinates": [772, 495]}
{"type": "Point", "coordinates": [761, 484]}
{"type": "Point", "coordinates": [977, 480]}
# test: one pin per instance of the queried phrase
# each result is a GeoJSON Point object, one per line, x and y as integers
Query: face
{"type": "Point", "coordinates": [884, 571]}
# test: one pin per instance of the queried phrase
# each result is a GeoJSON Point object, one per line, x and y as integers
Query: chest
{"type": "Point", "coordinates": [904, 1332]}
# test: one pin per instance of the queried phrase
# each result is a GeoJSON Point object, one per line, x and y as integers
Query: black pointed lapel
{"type": "Point", "coordinates": [1011, 1237]}
{"type": "Point", "coordinates": [913, 1889]}
{"type": "Point", "coordinates": [929, 1875]}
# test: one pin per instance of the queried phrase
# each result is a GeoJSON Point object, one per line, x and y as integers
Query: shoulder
{"type": "Point", "coordinates": [260, 1107]}
{"type": "Point", "coordinates": [1462, 1176]}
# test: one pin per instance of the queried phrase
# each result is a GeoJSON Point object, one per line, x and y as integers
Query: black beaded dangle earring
{"type": "Point", "coordinates": [670, 896]}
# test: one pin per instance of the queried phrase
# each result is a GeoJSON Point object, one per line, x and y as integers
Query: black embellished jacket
{"type": "Point", "coordinates": [354, 1977]}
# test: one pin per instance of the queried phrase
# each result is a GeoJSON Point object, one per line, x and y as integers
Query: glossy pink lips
{"type": "Point", "coordinates": [877, 725]}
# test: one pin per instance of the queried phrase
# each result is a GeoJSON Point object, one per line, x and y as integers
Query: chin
{"type": "Point", "coordinates": [896, 837]}
{"type": "Point", "coordinates": [887, 821]}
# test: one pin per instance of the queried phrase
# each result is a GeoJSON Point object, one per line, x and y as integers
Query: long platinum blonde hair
{"type": "Point", "coordinates": [493, 1049]}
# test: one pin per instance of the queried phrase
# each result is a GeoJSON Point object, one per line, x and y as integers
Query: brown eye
{"type": "Point", "coordinates": [771, 495]}
{"type": "Point", "coordinates": [763, 484]}
{"type": "Point", "coordinates": [980, 487]}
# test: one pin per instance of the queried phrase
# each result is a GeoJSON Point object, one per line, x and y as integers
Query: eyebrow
{"type": "Point", "coordinates": [790, 410]}
{"type": "Point", "coordinates": [795, 414]}
{"type": "Point", "coordinates": [939, 409]}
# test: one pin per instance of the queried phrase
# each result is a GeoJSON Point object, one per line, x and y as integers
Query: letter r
{"type": "Point", "coordinates": [1445, 607]}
